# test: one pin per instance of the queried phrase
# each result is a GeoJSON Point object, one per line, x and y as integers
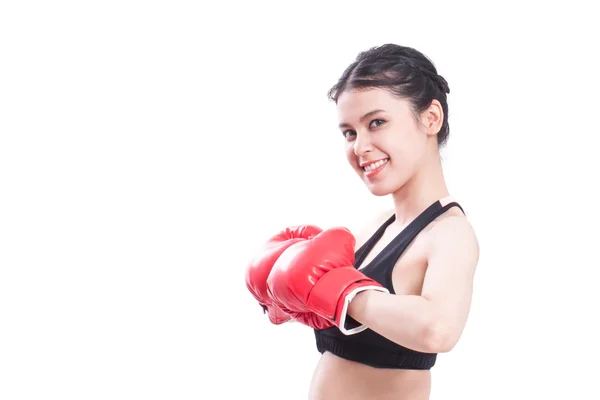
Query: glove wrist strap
{"type": "Point", "coordinates": [331, 295]}
{"type": "Point", "coordinates": [344, 313]}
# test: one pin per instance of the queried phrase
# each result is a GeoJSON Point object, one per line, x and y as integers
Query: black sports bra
{"type": "Point", "coordinates": [368, 347]}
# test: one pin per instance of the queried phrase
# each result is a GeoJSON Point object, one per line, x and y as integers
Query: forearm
{"type": "Point", "coordinates": [409, 320]}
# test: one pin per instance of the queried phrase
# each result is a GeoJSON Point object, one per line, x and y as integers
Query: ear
{"type": "Point", "coordinates": [433, 118]}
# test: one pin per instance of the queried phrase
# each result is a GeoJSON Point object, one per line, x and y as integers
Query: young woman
{"type": "Point", "coordinates": [384, 301]}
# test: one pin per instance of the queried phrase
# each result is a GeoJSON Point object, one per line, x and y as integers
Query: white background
{"type": "Point", "coordinates": [147, 148]}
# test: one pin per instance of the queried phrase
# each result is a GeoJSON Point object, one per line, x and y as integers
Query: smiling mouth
{"type": "Point", "coordinates": [372, 167]}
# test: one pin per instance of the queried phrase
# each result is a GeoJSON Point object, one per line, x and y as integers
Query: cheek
{"type": "Point", "coordinates": [405, 149]}
{"type": "Point", "coordinates": [350, 156]}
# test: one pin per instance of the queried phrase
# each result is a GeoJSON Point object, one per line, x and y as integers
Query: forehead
{"type": "Point", "coordinates": [353, 104]}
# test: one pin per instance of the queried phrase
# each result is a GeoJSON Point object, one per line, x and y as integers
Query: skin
{"type": "Point", "coordinates": [433, 279]}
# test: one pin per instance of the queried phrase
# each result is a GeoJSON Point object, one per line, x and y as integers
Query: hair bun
{"type": "Point", "coordinates": [443, 84]}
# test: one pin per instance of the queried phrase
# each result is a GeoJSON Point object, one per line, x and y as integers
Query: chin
{"type": "Point", "coordinates": [384, 188]}
{"type": "Point", "coordinates": [379, 193]}
{"type": "Point", "coordinates": [380, 190]}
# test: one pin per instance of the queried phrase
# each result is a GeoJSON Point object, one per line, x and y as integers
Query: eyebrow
{"type": "Point", "coordinates": [367, 115]}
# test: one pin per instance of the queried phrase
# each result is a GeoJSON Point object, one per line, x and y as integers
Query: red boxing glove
{"type": "Point", "coordinates": [317, 276]}
{"type": "Point", "coordinates": [260, 267]}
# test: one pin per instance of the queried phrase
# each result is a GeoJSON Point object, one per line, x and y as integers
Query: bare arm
{"type": "Point", "coordinates": [432, 322]}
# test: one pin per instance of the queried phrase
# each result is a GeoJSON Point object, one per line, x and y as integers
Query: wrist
{"type": "Point", "coordinates": [358, 305]}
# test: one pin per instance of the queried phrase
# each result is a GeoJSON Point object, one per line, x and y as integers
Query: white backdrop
{"type": "Point", "coordinates": [147, 148]}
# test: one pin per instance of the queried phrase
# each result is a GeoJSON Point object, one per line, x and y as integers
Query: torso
{"type": "Point", "coordinates": [336, 378]}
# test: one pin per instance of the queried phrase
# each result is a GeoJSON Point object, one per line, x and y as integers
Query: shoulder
{"type": "Point", "coordinates": [453, 225]}
{"type": "Point", "coordinates": [453, 236]}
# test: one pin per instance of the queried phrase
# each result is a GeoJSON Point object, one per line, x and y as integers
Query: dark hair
{"type": "Point", "coordinates": [402, 70]}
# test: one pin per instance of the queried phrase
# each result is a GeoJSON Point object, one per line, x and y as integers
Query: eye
{"type": "Point", "coordinates": [348, 134]}
{"type": "Point", "coordinates": [376, 123]}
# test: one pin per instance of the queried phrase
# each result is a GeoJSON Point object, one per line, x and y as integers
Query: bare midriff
{"type": "Point", "coordinates": [336, 378]}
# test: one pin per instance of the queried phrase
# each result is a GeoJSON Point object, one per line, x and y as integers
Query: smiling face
{"type": "Point", "coordinates": [385, 144]}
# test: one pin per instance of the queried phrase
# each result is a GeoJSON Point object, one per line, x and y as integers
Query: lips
{"type": "Point", "coordinates": [372, 168]}
{"type": "Point", "coordinates": [373, 165]}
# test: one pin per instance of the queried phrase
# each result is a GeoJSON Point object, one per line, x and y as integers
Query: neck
{"type": "Point", "coordinates": [423, 189]}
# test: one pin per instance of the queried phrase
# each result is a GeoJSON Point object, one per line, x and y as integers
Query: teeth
{"type": "Point", "coordinates": [375, 165]}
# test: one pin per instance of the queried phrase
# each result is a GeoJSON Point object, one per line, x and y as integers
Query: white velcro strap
{"type": "Point", "coordinates": [349, 297]}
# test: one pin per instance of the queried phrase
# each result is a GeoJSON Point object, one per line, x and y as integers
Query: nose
{"type": "Point", "coordinates": [362, 144]}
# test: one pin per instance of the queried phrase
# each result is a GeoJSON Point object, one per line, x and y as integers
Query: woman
{"type": "Point", "coordinates": [382, 313]}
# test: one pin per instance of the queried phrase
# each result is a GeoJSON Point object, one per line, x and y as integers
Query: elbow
{"type": "Point", "coordinates": [439, 338]}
